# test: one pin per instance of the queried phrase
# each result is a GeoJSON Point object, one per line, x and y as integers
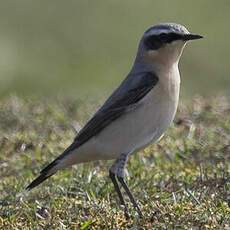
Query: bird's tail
{"type": "Point", "coordinates": [37, 181]}
{"type": "Point", "coordinates": [47, 172]}
{"type": "Point", "coordinates": [66, 159]}
{"type": "Point", "coordinates": [52, 168]}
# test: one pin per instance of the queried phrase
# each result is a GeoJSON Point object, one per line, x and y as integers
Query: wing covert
{"type": "Point", "coordinates": [124, 98]}
{"type": "Point", "coordinates": [118, 106]}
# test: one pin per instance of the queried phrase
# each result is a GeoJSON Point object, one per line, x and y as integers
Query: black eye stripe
{"type": "Point", "coordinates": [170, 37]}
{"type": "Point", "coordinates": [155, 42]}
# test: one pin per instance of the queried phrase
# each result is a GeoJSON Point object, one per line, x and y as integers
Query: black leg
{"type": "Point", "coordinates": [133, 201]}
{"type": "Point", "coordinates": [117, 172]}
{"type": "Point", "coordinates": [117, 189]}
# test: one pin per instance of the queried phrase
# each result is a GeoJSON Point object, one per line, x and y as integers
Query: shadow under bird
{"type": "Point", "coordinates": [136, 114]}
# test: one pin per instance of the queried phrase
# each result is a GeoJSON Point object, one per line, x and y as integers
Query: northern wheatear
{"type": "Point", "coordinates": [136, 114]}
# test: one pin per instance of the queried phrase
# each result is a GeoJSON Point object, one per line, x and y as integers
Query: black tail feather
{"type": "Point", "coordinates": [38, 181]}
{"type": "Point", "coordinates": [47, 172]}
{"type": "Point", "coordinates": [49, 167]}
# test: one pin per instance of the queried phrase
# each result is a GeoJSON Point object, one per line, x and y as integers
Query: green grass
{"type": "Point", "coordinates": [180, 183]}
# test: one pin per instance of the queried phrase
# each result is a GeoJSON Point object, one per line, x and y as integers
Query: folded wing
{"type": "Point", "coordinates": [130, 92]}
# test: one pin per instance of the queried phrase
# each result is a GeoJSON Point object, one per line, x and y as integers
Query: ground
{"type": "Point", "coordinates": [183, 182]}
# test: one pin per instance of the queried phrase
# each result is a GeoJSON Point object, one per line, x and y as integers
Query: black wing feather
{"type": "Point", "coordinates": [125, 97]}
{"type": "Point", "coordinates": [105, 116]}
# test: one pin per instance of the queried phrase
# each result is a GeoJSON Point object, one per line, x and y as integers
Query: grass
{"type": "Point", "coordinates": [180, 183]}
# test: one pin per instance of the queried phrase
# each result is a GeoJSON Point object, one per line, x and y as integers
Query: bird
{"type": "Point", "coordinates": [136, 114]}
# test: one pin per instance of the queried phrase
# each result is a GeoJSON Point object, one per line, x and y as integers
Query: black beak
{"type": "Point", "coordinates": [188, 37]}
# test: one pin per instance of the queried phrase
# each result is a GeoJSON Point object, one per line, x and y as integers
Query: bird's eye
{"type": "Point", "coordinates": [163, 37]}
{"type": "Point", "coordinates": [153, 42]}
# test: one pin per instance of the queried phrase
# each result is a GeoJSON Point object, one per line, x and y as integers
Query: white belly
{"type": "Point", "coordinates": [134, 130]}
{"type": "Point", "coordinates": [138, 128]}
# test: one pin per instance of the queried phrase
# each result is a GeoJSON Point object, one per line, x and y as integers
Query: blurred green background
{"type": "Point", "coordinates": [87, 47]}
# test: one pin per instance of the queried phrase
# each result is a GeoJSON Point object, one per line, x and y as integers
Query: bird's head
{"type": "Point", "coordinates": [164, 43]}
